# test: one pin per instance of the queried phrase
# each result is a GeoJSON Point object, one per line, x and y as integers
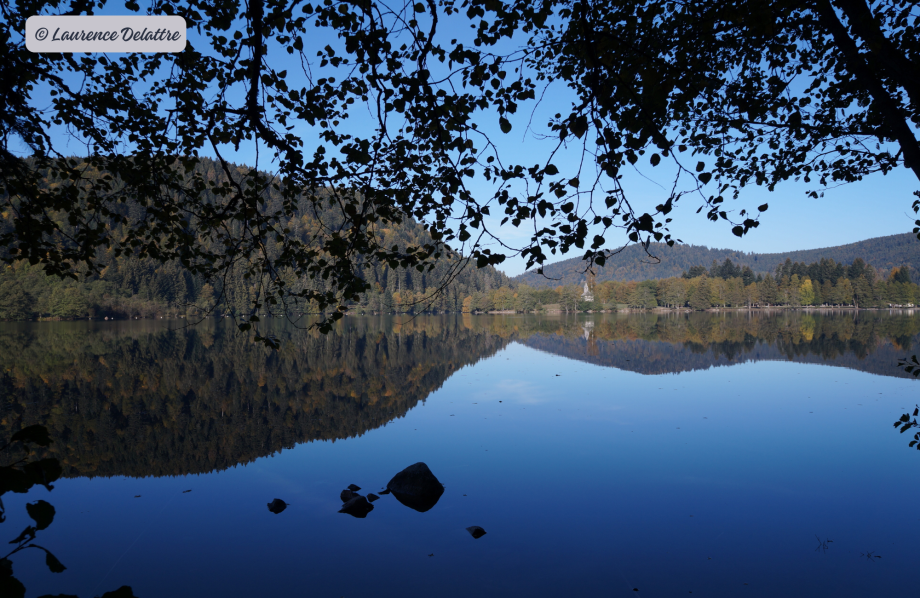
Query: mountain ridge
{"type": "Point", "coordinates": [883, 253]}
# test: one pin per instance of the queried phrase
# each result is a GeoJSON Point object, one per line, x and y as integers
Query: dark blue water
{"type": "Point", "coordinates": [753, 478]}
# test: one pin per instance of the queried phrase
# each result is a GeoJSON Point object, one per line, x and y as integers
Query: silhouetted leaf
{"type": "Point", "coordinates": [54, 565]}
{"type": "Point", "coordinates": [371, 497]}
{"type": "Point", "coordinates": [34, 434]}
{"type": "Point", "coordinates": [21, 479]}
{"type": "Point", "coordinates": [13, 480]}
{"type": "Point", "coordinates": [42, 512]}
{"type": "Point", "coordinates": [353, 487]}
{"type": "Point", "coordinates": [277, 505]}
{"type": "Point", "coordinates": [476, 531]}
{"type": "Point", "coordinates": [122, 592]}
{"type": "Point", "coordinates": [43, 472]}
{"type": "Point", "coordinates": [504, 124]}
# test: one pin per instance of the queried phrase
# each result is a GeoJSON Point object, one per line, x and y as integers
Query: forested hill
{"type": "Point", "coordinates": [884, 253]}
{"type": "Point", "coordinates": [129, 286]}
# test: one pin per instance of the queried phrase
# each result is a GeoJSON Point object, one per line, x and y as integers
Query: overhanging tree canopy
{"type": "Point", "coordinates": [739, 93]}
{"type": "Point", "coordinates": [728, 93]}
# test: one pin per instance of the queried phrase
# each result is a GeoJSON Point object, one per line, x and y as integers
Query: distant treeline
{"type": "Point", "coordinates": [132, 287]}
{"type": "Point", "coordinates": [633, 263]}
{"type": "Point", "coordinates": [138, 288]}
{"type": "Point", "coordinates": [793, 284]}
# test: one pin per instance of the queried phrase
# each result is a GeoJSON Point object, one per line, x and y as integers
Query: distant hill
{"type": "Point", "coordinates": [634, 264]}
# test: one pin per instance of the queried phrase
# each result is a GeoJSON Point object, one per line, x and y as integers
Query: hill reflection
{"type": "Point", "coordinates": [138, 399]}
{"type": "Point", "coordinates": [670, 343]}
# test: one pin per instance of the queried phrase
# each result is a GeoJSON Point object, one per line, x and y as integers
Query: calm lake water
{"type": "Point", "coordinates": [718, 454]}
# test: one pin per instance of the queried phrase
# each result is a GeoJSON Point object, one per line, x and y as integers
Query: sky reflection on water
{"type": "Point", "coordinates": [588, 480]}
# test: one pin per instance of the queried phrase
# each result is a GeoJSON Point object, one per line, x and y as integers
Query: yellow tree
{"type": "Point", "coordinates": [807, 292]}
{"type": "Point", "coordinates": [751, 294]}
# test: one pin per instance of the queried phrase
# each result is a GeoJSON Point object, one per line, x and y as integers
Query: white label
{"type": "Point", "coordinates": [105, 34]}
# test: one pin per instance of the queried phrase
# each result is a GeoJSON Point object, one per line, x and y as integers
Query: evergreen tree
{"type": "Point", "coordinates": [695, 272]}
{"type": "Point", "coordinates": [747, 276]}
{"type": "Point", "coordinates": [699, 296]}
{"type": "Point", "coordinates": [856, 269]}
{"type": "Point", "coordinates": [862, 291]}
{"type": "Point", "coordinates": [769, 292]}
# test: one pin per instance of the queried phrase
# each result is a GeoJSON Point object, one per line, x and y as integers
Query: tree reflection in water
{"type": "Point", "coordinates": [139, 399]}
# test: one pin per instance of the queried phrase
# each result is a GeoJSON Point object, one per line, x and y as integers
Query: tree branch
{"type": "Point", "coordinates": [891, 111]}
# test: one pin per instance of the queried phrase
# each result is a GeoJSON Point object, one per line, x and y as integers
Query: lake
{"type": "Point", "coordinates": [730, 454]}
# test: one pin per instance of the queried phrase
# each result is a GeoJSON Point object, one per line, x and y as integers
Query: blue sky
{"type": "Point", "coordinates": [877, 206]}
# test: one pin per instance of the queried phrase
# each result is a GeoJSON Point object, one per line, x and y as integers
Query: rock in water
{"type": "Point", "coordinates": [357, 507]}
{"type": "Point", "coordinates": [476, 531]}
{"type": "Point", "coordinates": [371, 497]}
{"type": "Point", "coordinates": [416, 487]}
{"type": "Point", "coordinates": [347, 495]}
{"type": "Point", "coordinates": [277, 505]}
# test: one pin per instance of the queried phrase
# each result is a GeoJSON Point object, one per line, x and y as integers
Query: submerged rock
{"type": "Point", "coordinates": [476, 531]}
{"type": "Point", "coordinates": [277, 505]}
{"type": "Point", "coordinates": [357, 507]}
{"type": "Point", "coordinates": [416, 487]}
